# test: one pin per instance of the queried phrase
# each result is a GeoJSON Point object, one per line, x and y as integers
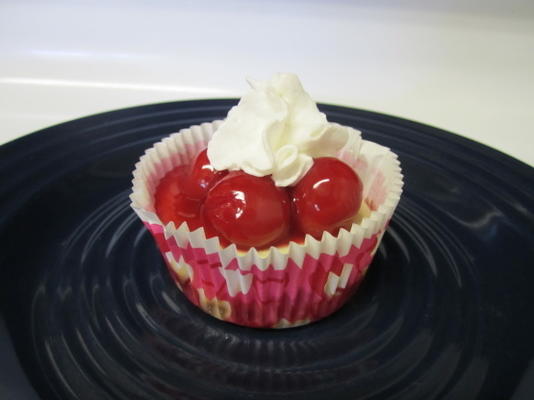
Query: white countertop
{"type": "Point", "coordinates": [466, 69]}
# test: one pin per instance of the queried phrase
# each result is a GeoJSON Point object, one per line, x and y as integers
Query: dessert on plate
{"type": "Point", "coordinates": [271, 217]}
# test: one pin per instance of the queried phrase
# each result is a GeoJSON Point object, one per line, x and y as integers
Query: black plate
{"type": "Point", "coordinates": [90, 313]}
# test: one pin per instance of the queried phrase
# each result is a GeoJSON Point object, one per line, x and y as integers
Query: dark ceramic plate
{"type": "Point", "coordinates": [88, 311]}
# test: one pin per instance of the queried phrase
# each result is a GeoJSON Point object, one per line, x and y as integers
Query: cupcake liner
{"type": "Point", "coordinates": [277, 287]}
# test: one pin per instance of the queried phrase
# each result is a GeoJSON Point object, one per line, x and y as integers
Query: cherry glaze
{"type": "Point", "coordinates": [247, 210]}
{"type": "Point", "coordinates": [251, 211]}
{"type": "Point", "coordinates": [327, 198]}
{"type": "Point", "coordinates": [172, 204]}
{"type": "Point", "coordinates": [202, 177]}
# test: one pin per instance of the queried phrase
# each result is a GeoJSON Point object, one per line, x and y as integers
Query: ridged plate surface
{"type": "Point", "coordinates": [90, 312]}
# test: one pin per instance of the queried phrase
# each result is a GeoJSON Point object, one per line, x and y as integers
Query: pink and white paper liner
{"type": "Point", "coordinates": [274, 288]}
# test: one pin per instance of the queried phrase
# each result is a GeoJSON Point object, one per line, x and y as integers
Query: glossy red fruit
{"type": "Point", "coordinates": [202, 177]}
{"type": "Point", "coordinates": [172, 204]}
{"type": "Point", "coordinates": [247, 210]}
{"type": "Point", "coordinates": [327, 197]}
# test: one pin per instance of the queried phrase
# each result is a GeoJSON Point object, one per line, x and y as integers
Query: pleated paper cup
{"type": "Point", "coordinates": [277, 287]}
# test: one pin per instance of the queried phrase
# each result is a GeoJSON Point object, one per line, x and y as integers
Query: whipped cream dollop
{"type": "Point", "coordinates": [277, 129]}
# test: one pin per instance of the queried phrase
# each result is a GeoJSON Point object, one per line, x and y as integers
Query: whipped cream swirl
{"type": "Point", "coordinates": [277, 129]}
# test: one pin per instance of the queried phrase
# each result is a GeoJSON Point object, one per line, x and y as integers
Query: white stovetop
{"type": "Point", "coordinates": [463, 68]}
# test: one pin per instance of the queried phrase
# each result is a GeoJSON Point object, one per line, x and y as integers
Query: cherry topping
{"type": "Point", "coordinates": [327, 197]}
{"type": "Point", "coordinates": [202, 177]}
{"type": "Point", "coordinates": [180, 193]}
{"type": "Point", "coordinates": [247, 210]}
{"type": "Point", "coordinates": [172, 204]}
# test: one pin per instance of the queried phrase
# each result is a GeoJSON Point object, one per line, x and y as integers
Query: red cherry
{"type": "Point", "coordinates": [247, 210]}
{"type": "Point", "coordinates": [202, 177]}
{"type": "Point", "coordinates": [172, 204]}
{"type": "Point", "coordinates": [327, 197]}
{"type": "Point", "coordinates": [168, 188]}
